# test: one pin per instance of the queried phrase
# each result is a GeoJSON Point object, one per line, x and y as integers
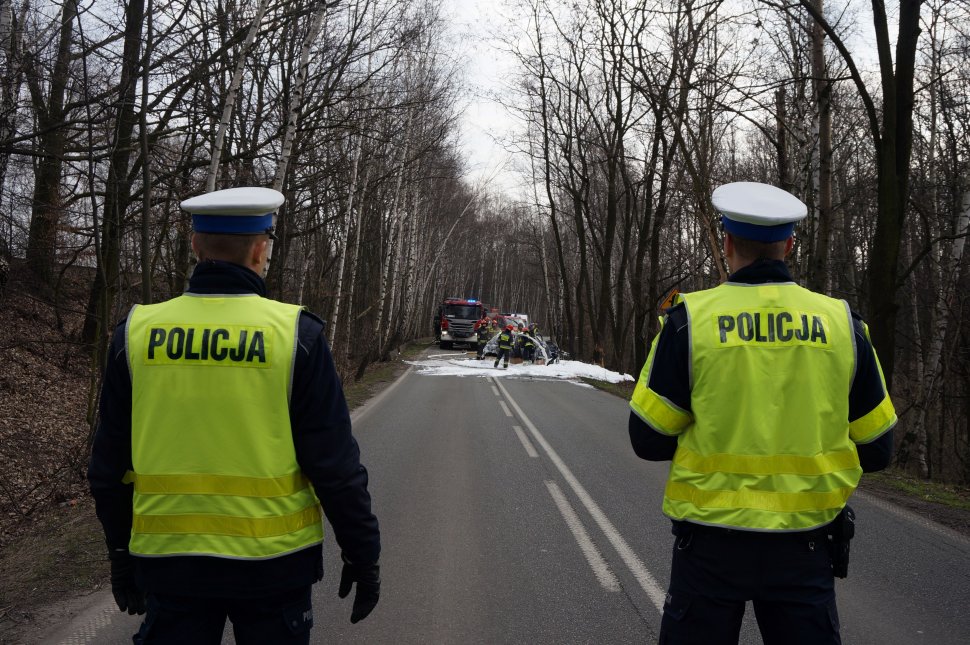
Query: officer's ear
{"type": "Point", "coordinates": [789, 245]}
{"type": "Point", "coordinates": [729, 246]}
{"type": "Point", "coordinates": [257, 252]}
{"type": "Point", "coordinates": [195, 246]}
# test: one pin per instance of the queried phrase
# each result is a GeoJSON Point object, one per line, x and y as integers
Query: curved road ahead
{"type": "Point", "coordinates": [514, 511]}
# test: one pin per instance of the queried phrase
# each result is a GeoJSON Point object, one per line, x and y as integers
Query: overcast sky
{"type": "Point", "coordinates": [473, 23]}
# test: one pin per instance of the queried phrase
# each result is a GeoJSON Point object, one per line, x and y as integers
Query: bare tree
{"type": "Point", "coordinates": [50, 112]}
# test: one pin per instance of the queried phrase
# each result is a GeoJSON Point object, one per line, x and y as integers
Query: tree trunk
{"type": "Point", "coordinates": [296, 104]}
{"type": "Point", "coordinates": [117, 189]}
{"type": "Point", "coordinates": [11, 80]}
{"type": "Point", "coordinates": [385, 257]}
{"type": "Point", "coordinates": [45, 217]}
{"type": "Point", "coordinates": [146, 202]}
{"type": "Point", "coordinates": [356, 259]}
{"type": "Point", "coordinates": [893, 147]}
{"type": "Point", "coordinates": [781, 139]}
{"type": "Point", "coordinates": [342, 243]}
{"type": "Point", "coordinates": [819, 274]}
{"type": "Point", "coordinates": [931, 377]}
{"type": "Point", "coordinates": [230, 100]}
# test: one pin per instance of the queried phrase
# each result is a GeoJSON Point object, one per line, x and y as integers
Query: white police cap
{"type": "Point", "coordinates": [758, 211]}
{"type": "Point", "coordinates": [239, 211]}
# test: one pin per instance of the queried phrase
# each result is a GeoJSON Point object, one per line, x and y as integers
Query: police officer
{"type": "Point", "coordinates": [504, 346]}
{"type": "Point", "coordinates": [223, 430]}
{"type": "Point", "coordinates": [770, 402]}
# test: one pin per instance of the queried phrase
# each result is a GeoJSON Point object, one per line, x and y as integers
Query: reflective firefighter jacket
{"type": "Point", "coordinates": [505, 340]}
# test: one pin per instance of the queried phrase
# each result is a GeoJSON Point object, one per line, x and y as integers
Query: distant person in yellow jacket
{"type": "Point", "coordinates": [770, 403]}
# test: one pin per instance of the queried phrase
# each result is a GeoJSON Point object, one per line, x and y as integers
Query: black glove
{"type": "Point", "coordinates": [368, 579]}
{"type": "Point", "coordinates": [126, 592]}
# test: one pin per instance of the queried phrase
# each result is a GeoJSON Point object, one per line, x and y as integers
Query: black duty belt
{"type": "Point", "coordinates": [681, 528]}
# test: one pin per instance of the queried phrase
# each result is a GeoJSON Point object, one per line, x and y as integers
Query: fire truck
{"type": "Point", "coordinates": [455, 322]}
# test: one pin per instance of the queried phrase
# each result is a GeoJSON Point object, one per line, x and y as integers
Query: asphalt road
{"type": "Point", "coordinates": [514, 511]}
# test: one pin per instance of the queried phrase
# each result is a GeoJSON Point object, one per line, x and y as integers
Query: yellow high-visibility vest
{"type": "Point", "coordinates": [767, 445]}
{"type": "Point", "coordinates": [215, 469]}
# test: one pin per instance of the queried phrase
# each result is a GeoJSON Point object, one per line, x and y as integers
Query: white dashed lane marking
{"type": "Point", "coordinates": [529, 449]}
{"type": "Point", "coordinates": [629, 557]}
{"type": "Point", "coordinates": [596, 561]}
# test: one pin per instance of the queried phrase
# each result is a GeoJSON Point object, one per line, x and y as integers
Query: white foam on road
{"type": "Point", "coordinates": [448, 365]}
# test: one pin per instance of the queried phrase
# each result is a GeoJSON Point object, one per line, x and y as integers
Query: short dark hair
{"type": "Point", "coordinates": [226, 247]}
{"type": "Point", "coordinates": [755, 250]}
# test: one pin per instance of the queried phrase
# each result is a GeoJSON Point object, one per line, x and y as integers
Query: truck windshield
{"type": "Point", "coordinates": [464, 312]}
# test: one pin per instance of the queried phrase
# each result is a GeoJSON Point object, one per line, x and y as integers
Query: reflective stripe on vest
{"type": "Point", "coordinates": [215, 469]}
{"type": "Point", "coordinates": [768, 447]}
{"type": "Point", "coordinates": [658, 412]}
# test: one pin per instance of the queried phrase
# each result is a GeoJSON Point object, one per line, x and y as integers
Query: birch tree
{"type": "Point", "coordinates": [229, 101]}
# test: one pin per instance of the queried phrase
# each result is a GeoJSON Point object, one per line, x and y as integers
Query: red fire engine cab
{"type": "Point", "coordinates": [455, 322]}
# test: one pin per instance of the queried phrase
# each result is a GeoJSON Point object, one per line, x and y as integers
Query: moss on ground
{"type": "Point", "coordinates": [623, 390]}
{"type": "Point", "coordinates": [945, 494]}
{"type": "Point", "coordinates": [378, 375]}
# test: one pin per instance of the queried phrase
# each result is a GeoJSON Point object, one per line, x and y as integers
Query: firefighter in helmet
{"type": "Point", "coordinates": [505, 341]}
{"type": "Point", "coordinates": [481, 330]}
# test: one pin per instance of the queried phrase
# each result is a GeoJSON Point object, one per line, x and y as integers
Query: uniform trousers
{"type": "Point", "coordinates": [284, 619]}
{"type": "Point", "coordinates": [503, 354]}
{"type": "Point", "coordinates": [787, 576]}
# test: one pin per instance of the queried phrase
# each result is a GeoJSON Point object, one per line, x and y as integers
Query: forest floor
{"type": "Point", "coordinates": [51, 545]}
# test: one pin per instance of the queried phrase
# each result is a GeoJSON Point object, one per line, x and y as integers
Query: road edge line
{"type": "Point", "coordinates": [372, 403]}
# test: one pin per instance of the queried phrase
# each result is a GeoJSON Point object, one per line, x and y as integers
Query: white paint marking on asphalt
{"type": "Point", "coordinates": [525, 442]}
{"type": "Point", "coordinates": [505, 408]}
{"type": "Point", "coordinates": [495, 390]}
{"type": "Point", "coordinates": [596, 561]}
{"type": "Point", "coordinates": [632, 561]}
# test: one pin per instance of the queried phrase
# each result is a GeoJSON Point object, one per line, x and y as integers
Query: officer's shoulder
{"type": "Point", "coordinates": [858, 324]}
{"type": "Point", "coordinates": [677, 315]}
{"type": "Point", "coordinates": [312, 323]}
{"type": "Point", "coordinates": [123, 322]}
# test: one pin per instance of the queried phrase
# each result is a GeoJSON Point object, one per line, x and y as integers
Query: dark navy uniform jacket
{"type": "Point", "coordinates": [325, 449]}
{"type": "Point", "coordinates": [670, 377]}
